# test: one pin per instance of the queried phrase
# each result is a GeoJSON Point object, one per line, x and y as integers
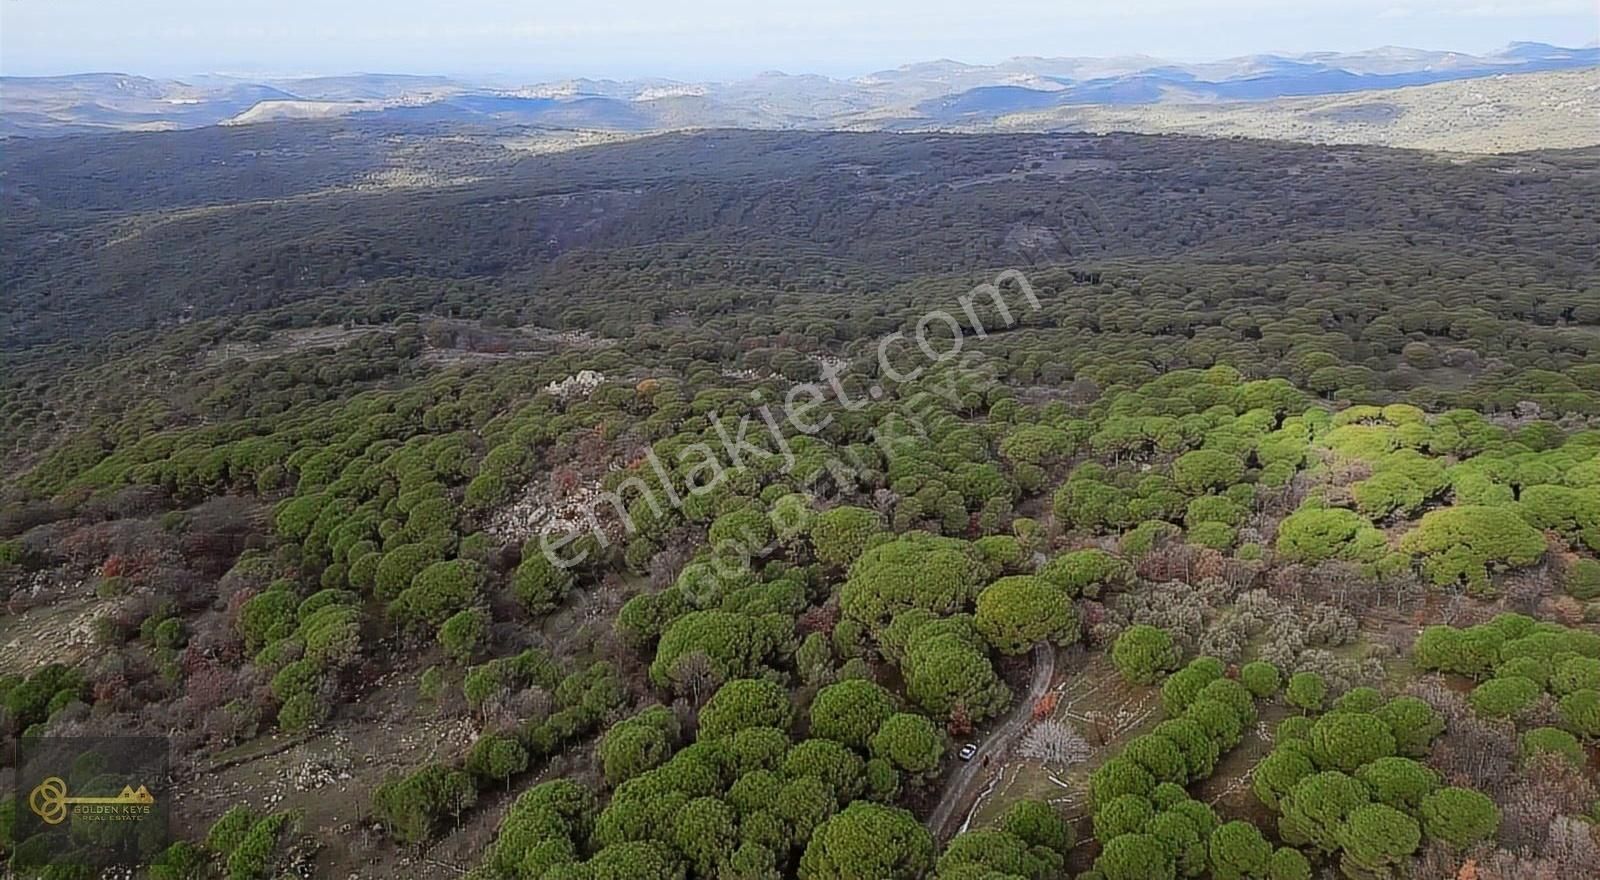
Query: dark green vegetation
{"type": "Point", "coordinates": [1278, 407]}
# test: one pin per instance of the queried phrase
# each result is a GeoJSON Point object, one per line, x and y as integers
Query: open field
{"type": "Point", "coordinates": [1105, 710]}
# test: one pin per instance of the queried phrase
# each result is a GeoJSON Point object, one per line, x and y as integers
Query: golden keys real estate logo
{"type": "Point", "coordinates": [89, 802]}
{"type": "Point", "coordinates": [49, 799]}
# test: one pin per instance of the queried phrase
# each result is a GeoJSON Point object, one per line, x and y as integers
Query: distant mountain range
{"type": "Point", "coordinates": [932, 94]}
{"type": "Point", "coordinates": [1495, 114]}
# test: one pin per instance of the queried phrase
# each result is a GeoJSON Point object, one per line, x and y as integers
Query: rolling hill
{"type": "Point", "coordinates": [1134, 91]}
{"type": "Point", "coordinates": [1497, 114]}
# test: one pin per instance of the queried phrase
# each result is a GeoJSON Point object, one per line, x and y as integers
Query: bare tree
{"type": "Point", "coordinates": [1573, 846]}
{"type": "Point", "coordinates": [1477, 752]}
{"type": "Point", "coordinates": [1441, 861]}
{"type": "Point", "coordinates": [508, 709]}
{"type": "Point", "coordinates": [1054, 742]}
{"type": "Point", "coordinates": [666, 564]}
{"type": "Point", "coordinates": [1547, 789]}
{"type": "Point", "coordinates": [1526, 864]}
{"type": "Point", "coordinates": [696, 677]}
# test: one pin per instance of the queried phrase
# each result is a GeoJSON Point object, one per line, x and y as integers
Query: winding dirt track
{"type": "Point", "coordinates": [961, 789]}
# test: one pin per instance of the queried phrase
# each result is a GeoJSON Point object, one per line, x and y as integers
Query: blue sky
{"type": "Point", "coordinates": [717, 39]}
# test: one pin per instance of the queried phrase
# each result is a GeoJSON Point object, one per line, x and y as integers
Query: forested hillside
{"type": "Point", "coordinates": [1238, 502]}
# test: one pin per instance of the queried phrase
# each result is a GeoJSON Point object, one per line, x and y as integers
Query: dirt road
{"type": "Point", "coordinates": [960, 791]}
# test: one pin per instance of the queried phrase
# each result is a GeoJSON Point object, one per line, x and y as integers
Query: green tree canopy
{"type": "Point", "coordinates": [1087, 572]}
{"type": "Point", "coordinates": [539, 584]}
{"type": "Point", "coordinates": [744, 703]}
{"type": "Point", "coordinates": [911, 742]}
{"type": "Point", "coordinates": [869, 840]}
{"type": "Point", "coordinates": [850, 712]}
{"type": "Point", "coordinates": [1466, 543]}
{"type": "Point", "coordinates": [1142, 652]}
{"type": "Point", "coordinates": [1238, 850]}
{"type": "Point", "coordinates": [841, 534]}
{"type": "Point", "coordinates": [1346, 740]}
{"type": "Point", "coordinates": [1014, 613]}
{"type": "Point", "coordinates": [915, 571]}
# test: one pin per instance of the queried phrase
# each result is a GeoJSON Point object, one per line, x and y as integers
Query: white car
{"type": "Point", "coordinates": [968, 751]}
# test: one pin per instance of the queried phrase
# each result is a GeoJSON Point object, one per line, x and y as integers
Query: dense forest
{"type": "Point", "coordinates": [1112, 507]}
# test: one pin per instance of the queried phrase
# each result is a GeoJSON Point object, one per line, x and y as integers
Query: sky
{"type": "Point", "coordinates": [531, 40]}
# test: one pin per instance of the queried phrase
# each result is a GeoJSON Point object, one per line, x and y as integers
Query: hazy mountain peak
{"type": "Point", "coordinates": [933, 92]}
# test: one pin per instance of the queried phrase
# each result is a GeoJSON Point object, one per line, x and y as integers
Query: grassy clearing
{"type": "Point", "coordinates": [1105, 710]}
